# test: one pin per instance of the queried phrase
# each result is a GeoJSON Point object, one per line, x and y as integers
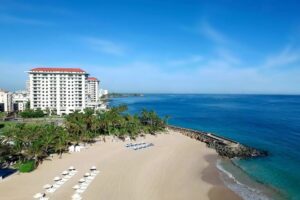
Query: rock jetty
{"type": "Point", "coordinates": [223, 146]}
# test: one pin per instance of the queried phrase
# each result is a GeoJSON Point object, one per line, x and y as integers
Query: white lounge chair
{"type": "Point", "coordinates": [71, 148]}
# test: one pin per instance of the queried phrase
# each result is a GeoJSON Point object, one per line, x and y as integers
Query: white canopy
{"type": "Point", "coordinates": [76, 195]}
{"type": "Point", "coordinates": [76, 187]}
{"type": "Point", "coordinates": [57, 178]}
{"type": "Point", "coordinates": [81, 180]}
{"type": "Point", "coordinates": [47, 186]}
{"type": "Point", "coordinates": [38, 195]}
{"type": "Point", "coordinates": [65, 173]}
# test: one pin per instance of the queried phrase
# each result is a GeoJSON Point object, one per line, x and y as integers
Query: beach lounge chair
{"type": "Point", "coordinates": [71, 148]}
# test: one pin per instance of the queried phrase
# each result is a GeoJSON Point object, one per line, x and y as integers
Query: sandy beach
{"type": "Point", "coordinates": [176, 167]}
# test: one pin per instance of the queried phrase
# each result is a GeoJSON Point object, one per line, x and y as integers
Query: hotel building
{"type": "Point", "coordinates": [92, 89]}
{"type": "Point", "coordinates": [61, 90]}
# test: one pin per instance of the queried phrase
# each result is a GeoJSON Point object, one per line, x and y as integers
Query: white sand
{"type": "Point", "coordinates": [171, 169]}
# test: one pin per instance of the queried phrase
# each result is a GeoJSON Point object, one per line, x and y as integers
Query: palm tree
{"type": "Point", "coordinates": [61, 142]}
{"type": "Point", "coordinates": [48, 136]}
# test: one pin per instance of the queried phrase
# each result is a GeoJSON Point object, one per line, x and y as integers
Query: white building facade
{"type": "Point", "coordinates": [60, 90]}
{"type": "Point", "coordinates": [20, 100]}
{"type": "Point", "coordinates": [93, 100]}
{"type": "Point", "coordinates": [6, 103]}
{"type": "Point", "coordinates": [103, 92]}
{"type": "Point", "coordinates": [92, 89]}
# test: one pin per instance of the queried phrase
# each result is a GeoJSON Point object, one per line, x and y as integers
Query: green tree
{"type": "Point", "coordinates": [61, 141]}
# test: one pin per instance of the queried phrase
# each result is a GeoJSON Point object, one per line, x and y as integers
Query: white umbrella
{"type": "Point", "coordinates": [81, 180]}
{"type": "Point", "coordinates": [38, 195]}
{"type": "Point", "coordinates": [87, 174]}
{"type": "Point", "coordinates": [57, 178]}
{"type": "Point", "coordinates": [65, 173]}
{"type": "Point", "coordinates": [71, 168]}
{"type": "Point", "coordinates": [93, 168]}
{"type": "Point", "coordinates": [76, 195]}
{"type": "Point", "coordinates": [76, 187]}
{"type": "Point", "coordinates": [47, 186]}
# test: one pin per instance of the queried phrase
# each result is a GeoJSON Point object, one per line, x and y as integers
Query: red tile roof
{"type": "Point", "coordinates": [92, 79]}
{"type": "Point", "coordinates": [56, 69]}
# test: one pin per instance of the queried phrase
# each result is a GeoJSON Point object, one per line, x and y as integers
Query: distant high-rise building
{"type": "Point", "coordinates": [92, 89]}
{"type": "Point", "coordinates": [20, 99]}
{"type": "Point", "coordinates": [103, 92]}
{"type": "Point", "coordinates": [6, 104]}
{"type": "Point", "coordinates": [61, 90]}
{"type": "Point", "coordinates": [27, 86]}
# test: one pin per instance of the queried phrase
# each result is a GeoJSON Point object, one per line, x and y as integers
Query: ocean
{"type": "Point", "coordinates": [268, 122]}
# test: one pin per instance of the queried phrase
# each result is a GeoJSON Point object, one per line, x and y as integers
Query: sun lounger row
{"type": "Point", "coordinates": [84, 183]}
{"type": "Point", "coordinates": [59, 181]}
{"type": "Point", "coordinates": [137, 146]}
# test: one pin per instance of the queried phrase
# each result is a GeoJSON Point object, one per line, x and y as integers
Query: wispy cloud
{"type": "Point", "coordinates": [287, 56]}
{"type": "Point", "coordinates": [212, 33]}
{"type": "Point", "coordinates": [104, 46]}
{"type": "Point", "coordinates": [13, 19]}
{"type": "Point", "coordinates": [186, 61]}
{"type": "Point", "coordinates": [227, 56]}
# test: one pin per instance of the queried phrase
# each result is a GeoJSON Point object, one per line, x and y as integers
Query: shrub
{"type": "Point", "coordinates": [26, 166]}
{"type": "Point", "coordinates": [32, 113]}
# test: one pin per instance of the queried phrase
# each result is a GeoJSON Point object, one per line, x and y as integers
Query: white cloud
{"type": "Point", "coordinates": [286, 57]}
{"type": "Point", "coordinates": [186, 61]}
{"type": "Point", "coordinates": [214, 76]}
{"type": "Point", "coordinates": [104, 46]}
{"type": "Point", "coordinates": [228, 56]}
{"type": "Point", "coordinates": [212, 33]}
{"type": "Point", "coordinates": [12, 19]}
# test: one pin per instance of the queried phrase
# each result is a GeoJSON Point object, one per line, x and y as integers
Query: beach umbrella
{"type": "Point", "coordinates": [76, 196]}
{"type": "Point", "coordinates": [47, 186]}
{"type": "Point", "coordinates": [38, 195]}
{"type": "Point", "coordinates": [81, 180]}
{"type": "Point", "coordinates": [93, 168]}
{"type": "Point", "coordinates": [65, 173]}
{"type": "Point", "coordinates": [87, 174]}
{"type": "Point", "coordinates": [57, 178]}
{"type": "Point", "coordinates": [76, 187]}
{"type": "Point", "coordinates": [71, 168]}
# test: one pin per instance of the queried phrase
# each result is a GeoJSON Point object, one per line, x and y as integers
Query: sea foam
{"type": "Point", "coordinates": [244, 191]}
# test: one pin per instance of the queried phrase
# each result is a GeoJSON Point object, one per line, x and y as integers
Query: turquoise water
{"type": "Point", "coordinates": [269, 122]}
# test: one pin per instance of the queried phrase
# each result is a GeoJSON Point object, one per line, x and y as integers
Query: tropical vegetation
{"type": "Point", "coordinates": [27, 145]}
{"type": "Point", "coordinates": [29, 113]}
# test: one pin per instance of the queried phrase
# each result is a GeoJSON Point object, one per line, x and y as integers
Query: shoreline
{"type": "Point", "coordinates": [176, 167]}
{"type": "Point", "coordinates": [219, 189]}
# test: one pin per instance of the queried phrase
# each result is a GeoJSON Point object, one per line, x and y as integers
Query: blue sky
{"type": "Point", "coordinates": [225, 46]}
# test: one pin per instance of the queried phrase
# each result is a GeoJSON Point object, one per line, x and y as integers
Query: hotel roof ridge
{"type": "Point", "coordinates": [92, 78]}
{"type": "Point", "coordinates": [57, 69]}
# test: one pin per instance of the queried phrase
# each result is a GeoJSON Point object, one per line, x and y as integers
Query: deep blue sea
{"type": "Point", "coordinates": [269, 122]}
